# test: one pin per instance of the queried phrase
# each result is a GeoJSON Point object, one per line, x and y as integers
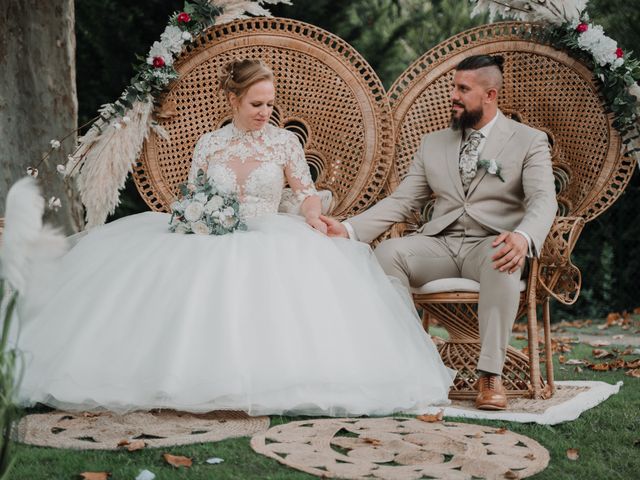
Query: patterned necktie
{"type": "Point", "coordinates": [469, 158]}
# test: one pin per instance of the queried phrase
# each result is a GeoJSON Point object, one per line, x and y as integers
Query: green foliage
{"type": "Point", "coordinates": [9, 379]}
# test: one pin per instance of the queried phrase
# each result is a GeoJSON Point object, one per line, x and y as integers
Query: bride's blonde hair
{"type": "Point", "coordinates": [238, 75]}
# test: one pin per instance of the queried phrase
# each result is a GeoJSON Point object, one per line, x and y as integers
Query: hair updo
{"type": "Point", "coordinates": [238, 75]}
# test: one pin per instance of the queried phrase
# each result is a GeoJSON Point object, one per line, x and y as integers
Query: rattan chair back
{"type": "Point", "coordinates": [543, 87]}
{"type": "Point", "coordinates": [326, 93]}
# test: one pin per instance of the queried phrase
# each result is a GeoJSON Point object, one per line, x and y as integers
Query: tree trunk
{"type": "Point", "coordinates": [38, 99]}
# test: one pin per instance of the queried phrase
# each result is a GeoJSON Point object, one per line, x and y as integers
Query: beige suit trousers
{"type": "Point", "coordinates": [418, 259]}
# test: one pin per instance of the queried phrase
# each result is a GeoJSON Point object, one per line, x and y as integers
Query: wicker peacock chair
{"type": "Point", "coordinates": [326, 93]}
{"type": "Point", "coordinates": [549, 90]}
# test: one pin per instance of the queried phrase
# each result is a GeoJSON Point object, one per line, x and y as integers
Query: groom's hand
{"type": "Point", "coordinates": [513, 254]}
{"type": "Point", "coordinates": [334, 227]}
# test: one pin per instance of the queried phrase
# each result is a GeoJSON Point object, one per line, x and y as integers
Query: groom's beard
{"type": "Point", "coordinates": [467, 119]}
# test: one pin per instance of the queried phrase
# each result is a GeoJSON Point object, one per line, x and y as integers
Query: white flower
{"type": "Point", "coordinates": [159, 50]}
{"type": "Point", "coordinates": [32, 172]}
{"type": "Point", "coordinates": [61, 169]}
{"type": "Point", "coordinates": [200, 198]}
{"type": "Point", "coordinates": [493, 167]}
{"type": "Point", "coordinates": [215, 203]}
{"type": "Point", "coordinates": [186, 36]}
{"type": "Point", "coordinates": [200, 228]}
{"type": "Point", "coordinates": [598, 44]}
{"type": "Point", "coordinates": [55, 144]}
{"type": "Point", "coordinates": [54, 204]}
{"type": "Point", "coordinates": [193, 212]}
{"type": "Point", "coordinates": [171, 39]}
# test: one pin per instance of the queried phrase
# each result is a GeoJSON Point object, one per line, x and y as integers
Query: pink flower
{"type": "Point", "coordinates": [582, 27]}
{"type": "Point", "coordinates": [158, 62]}
{"type": "Point", "coordinates": [619, 53]}
{"type": "Point", "coordinates": [184, 17]}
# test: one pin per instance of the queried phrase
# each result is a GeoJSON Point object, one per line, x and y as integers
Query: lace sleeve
{"type": "Point", "coordinates": [199, 160]}
{"type": "Point", "coordinates": [297, 170]}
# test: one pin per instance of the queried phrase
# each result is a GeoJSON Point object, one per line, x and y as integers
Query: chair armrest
{"type": "Point", "coordinates": [558, 277]}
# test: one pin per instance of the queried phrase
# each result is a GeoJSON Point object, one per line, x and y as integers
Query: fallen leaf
{"type": "Point", "coordinates": [95, 475]}
{"type": "Point", "coordinates": [511, 475]}
{"type": "Point", "coordinates": [572, 454]}
{"type": "Point", "coordinates": [613, 319]}
{"type": "Point", "coordinates": [432, 418]}
{"type": "Point", "coordinates": [177, 461]}
{"type": "Point", "coordinates": [562, 359]}
{"type": "Point", "coordinates": [617, 363]}
{"type": "Point", "coordinates": [214, 460]}
{"type": "Point", "coordinates": [574, 361]}
{"type": "Point", "coordinates": [633, 364]}
{"type": "Point", "coordinates": [501, 431]}
{"type": "Point", "coordinates": [599, 343]}
{"type": "Point", "coordinates": [136, 445]}
{"type": "Point", "coordinates": [123, 443]}
{"type": "Point", "coordinates": [600, 367]}
{"type": "Point", "coordinates": [520, 337]}
{"type": "Point", "coordinates": [633, 373]}
{"type": "Point", "coordinates": [636, 310]}
{"type": "Point", "coordinates": [146, 475]}
{"type": "Point", "coordinates": [600, 353]}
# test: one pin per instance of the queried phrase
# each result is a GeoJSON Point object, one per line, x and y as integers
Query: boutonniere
{"type": "Point", "coordinates": [492, 167]}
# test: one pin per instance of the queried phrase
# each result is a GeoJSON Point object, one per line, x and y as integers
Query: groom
{"type": "Point", "coordinates": [494, 205]}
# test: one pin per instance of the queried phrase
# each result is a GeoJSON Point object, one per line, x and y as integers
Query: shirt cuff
{"type": "Point", "coordinates": [350, 231]}
{"type": "Point", "coordinates": [528, 238]}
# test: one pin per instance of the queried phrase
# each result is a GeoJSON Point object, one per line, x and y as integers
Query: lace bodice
{"type": "Point", "coordinates": [254, 165]}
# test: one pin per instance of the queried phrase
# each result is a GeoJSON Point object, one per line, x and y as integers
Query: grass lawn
{"type": "Point", "coordinates": [607, 438]}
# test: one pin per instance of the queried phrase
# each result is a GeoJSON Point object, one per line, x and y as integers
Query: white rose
{"type": "Point", "coordinates": [171, 39]}
{"type": "Point", "coordinates": [55, 144]}
{"type": "Point", "coordinates": [61, 169]}
{"type": "Point", "coordinates": [200, 198]}
{"type": "Point", "coordinates": [193, 212]}
{"type": "Point", "coordinates": [215, 203]}
{"type": "Point", "coordinates": [493, 167]}
{"type": "Point", "coordinates": [186, 36]}
{"type": "Point", "coordinates": [200, 228]}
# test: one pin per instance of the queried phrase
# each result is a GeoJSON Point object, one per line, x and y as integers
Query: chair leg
{"type": "Point", "coordinates": [546, 318]}
{"type": "Point", "coordinates": [425, 320]}
{"type": "Point", "coordinates": [534, 359]}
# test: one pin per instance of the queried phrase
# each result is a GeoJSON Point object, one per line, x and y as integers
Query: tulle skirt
{"type": "Point", "coordinates": [278, 319]}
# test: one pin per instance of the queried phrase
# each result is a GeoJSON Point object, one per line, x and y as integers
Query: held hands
{"type": "Point", "coordinates": [317, 224]}
{"type": "Point", "coordinates": [334, 227]}
{"type": "Point", "coordinates": [512, 255]}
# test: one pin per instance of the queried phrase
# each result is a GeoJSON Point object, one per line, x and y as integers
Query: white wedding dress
{"type": "Point", "coordinates": [279, 319]}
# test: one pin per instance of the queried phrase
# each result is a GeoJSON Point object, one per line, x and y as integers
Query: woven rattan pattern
{"type": "Point", "coordinates": [326, 94]}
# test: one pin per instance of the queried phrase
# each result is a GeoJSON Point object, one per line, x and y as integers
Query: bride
{"type": "Point", "coordinates": [278, 319]}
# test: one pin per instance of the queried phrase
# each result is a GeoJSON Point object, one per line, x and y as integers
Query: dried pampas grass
{"type": "Point", "coordinates": [106, 158]}
{"type": "Point", "coordinates": [552, 11]}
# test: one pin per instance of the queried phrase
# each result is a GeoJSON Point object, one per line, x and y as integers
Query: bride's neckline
{"type": "Point", "coordinates": [237, 132]}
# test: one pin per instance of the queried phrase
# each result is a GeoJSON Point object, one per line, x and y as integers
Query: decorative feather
{"type": "Point", "coordinates": [108, 160]}
{"type": "Point", "coordinates": [551, 11]}
{"type": "Point", "coordinates": [25, 239]}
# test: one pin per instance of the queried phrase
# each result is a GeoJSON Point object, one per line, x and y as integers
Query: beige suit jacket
{"type": "Point", "coordinates": [525, 201]}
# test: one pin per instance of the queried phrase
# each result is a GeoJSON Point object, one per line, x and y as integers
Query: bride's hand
{"type": "Point", "coordinates": [317, 224]}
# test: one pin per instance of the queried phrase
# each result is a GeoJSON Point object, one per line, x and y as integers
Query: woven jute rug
{"type": "Point", "coordinates": [104, 431]}
{"type": "Point", "coordinates": [570, 400]}
{"type": "Point", "coordinates": [401, 448]}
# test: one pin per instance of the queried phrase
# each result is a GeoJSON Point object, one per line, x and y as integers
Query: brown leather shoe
{"type": "Point", "coordinates": [491, 394]}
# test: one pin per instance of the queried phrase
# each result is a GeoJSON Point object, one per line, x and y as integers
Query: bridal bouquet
{"type": "Point", "coordinates": [204, 210]}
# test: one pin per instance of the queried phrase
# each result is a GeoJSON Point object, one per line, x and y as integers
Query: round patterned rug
{"type": "Point", "coordinates": [401, 448]}
{"type": "Point", "coordinates": [105, 431]}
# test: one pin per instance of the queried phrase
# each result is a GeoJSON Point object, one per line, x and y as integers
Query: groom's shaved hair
{"type": "Point", "coordinates": [489, 66]}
